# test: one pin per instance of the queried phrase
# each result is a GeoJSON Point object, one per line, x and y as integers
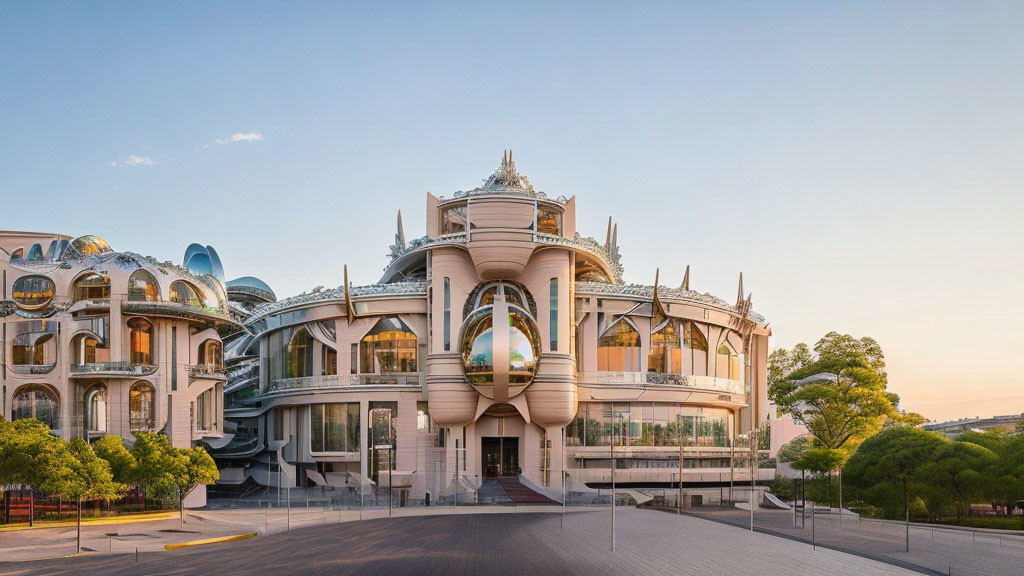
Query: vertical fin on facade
{"type": "Point", "coordinates": [739, 293]}
{"type": "Point", "coordinates": [350, 309]}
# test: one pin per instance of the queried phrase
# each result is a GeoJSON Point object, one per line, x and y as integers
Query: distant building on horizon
{"type": "Point", "coordinates": [954, 428]}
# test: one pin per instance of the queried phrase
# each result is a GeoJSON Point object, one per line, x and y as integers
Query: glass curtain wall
{"type": "Point", "coordinates": [648, 424]}
{"type": "Point", "coordinates": [334, 427]}
{"type": "Point", "coordinates": [665, 356]}
{"type": "Point", "coordinates": [618, 349]}
{"type": "Point", "coordinates": [390, 346]}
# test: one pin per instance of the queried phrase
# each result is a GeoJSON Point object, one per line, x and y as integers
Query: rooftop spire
{"type": "Point", "coordinates": [739, 294]}
{"type": "Point", "coordinates": [686, 280]}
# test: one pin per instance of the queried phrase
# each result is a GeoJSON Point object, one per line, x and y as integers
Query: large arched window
{"type": "Point", "coordinates": [390, 346]}
{"type": "Point", "coordinates": [140, 341]}
{"type": "Point", "coordinates": [33, 349]}
{"type": "Point", "coordinates": [87, 349]}
{"type": "Point", "coordinates": [728, 362]}
{"type": "Point", "coordinates": [143, 287]}
{"type": "Point", "coordinates": [665, 356]}
{"type": "Point", "coordinates": [140, 407]}
{"type": "Point", "coordinates": [33, 292]}
{"type": "Point", "coordinates": [300, 355]}
{"type": "Point", "coordinates": [36, 401]}
{"type": "Point", "coordinates": [618, 348]}
{"type": "Point", "coordinates": [95, 417]}
{"type": "Point", "coordinates": [211, 355]}
{"type": "Point", "coordinates": [183, 293]}
{"type": "Point", "coordinates": [696, 347]}
{"type": "Point", "coordinates": [91, 286]}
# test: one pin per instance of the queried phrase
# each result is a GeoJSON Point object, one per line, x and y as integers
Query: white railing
{"type": "Point", "coordinates": [646, 379]}
{"type": "Point", "coordinates": [402, 379]}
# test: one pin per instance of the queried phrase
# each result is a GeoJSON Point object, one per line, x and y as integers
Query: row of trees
{"type": "Point", "coordinates": [839, 391]}
{"type": "Point", "coordinates": [904, 469]}
{"type": "Point", "coordinates": [74, 470]}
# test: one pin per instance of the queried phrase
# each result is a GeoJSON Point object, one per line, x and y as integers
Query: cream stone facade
{"type": "Point", "coordinates": [502, 344]}
{"type": "Point", "coordinates": [98, 342]}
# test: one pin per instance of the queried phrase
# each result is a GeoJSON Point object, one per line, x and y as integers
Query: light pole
{"type": "Point", "coordinates": [612, 449]}
{"type": "Point", "coordinates": [562, 520]}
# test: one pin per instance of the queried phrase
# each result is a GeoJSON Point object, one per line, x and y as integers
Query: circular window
{"type": "Point", "coordinates": [500, 349]}
{"type": "Point", "coordinates": [33, 292]}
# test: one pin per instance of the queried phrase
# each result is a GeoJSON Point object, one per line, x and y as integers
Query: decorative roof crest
{"type": "Point", "coordinates": [507, 177]}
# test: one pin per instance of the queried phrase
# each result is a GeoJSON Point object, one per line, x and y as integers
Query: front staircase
{"type": "Point", "coordinates": [509, 490]}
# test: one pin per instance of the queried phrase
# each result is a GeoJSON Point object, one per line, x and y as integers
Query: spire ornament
{"type": "Point", "coordinates": [399, 247]}
{"type": "Point", "coordinates": [686, 280]}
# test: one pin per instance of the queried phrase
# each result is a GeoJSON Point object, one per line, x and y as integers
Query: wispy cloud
{"type": "Point", "coordinates": [134, 160]}
{"type": "Point", "coordinates": [240, 137]}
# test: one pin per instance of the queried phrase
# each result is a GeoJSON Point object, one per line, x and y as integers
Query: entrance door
{"type": "Point", "coordinates": [500, 456]}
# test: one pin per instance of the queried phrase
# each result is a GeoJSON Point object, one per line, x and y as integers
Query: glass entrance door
{"type": "Point", "coordinates": [500, 456]}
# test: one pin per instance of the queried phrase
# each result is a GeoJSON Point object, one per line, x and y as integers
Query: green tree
{"type": "Point", "coordinates": [782, 363]}
{"type": "Point", "coordinates": [89, 477]}
{"type": "Point", "coordinates": [33, 457]}
{"type": "Point", "coordinates": [894, 458]}
{"type": "Point", "coordinates": [821, 461]}
{"type": "Point", "coordinates": [1019, 427]}
{"type": "Point", "coordinates": [167, 472]}
{"type": "Point", "coordinates": [156, 465]}
{"type": "Point", "coordinates": [792, 451]}
{"type": "Point", "coordinates": [842, 394]}
{"type": "Point", "coordinates": [122, 462]}
{"type": "Point", "coordinates": [957, 468]}
{"type": "Point", "coordinates": [194, 467]}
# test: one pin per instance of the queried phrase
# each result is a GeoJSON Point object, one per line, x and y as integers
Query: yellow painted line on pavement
{"type": "Point", "coordinates": [94, 521]}
{"type": "Point", "coordinates": [218, 540]}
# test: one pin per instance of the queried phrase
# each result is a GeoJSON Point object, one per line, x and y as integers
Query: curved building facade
{"type": "Point", "coordinates": [98, 342]}
{"type": "Point", "coordinates": [502, 343]}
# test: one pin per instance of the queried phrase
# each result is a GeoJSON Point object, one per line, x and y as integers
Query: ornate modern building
{"type": "Point", "coordinates": [99, 342]}
{"type": "Point", "coordinates": [502, 343]}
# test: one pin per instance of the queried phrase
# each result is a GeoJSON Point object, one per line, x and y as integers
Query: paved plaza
{"type": "Point", "coordinates": [648, 542]}
{"type": "Point", "coordinates": [933, 549]}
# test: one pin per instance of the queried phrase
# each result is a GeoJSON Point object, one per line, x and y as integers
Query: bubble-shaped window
{"type": "Point", "coordinates": [143, 287]}
{"type": "Point", "coordinates": [33, 292]}
{"type": "Point", "coordinates": [500, 345]}
{"type": "Point", "coordinates": [478, 347]}
{"type": "Point", "coordinates": [524, 347]}
{"type": "Point", "coordinates": [90, 245]}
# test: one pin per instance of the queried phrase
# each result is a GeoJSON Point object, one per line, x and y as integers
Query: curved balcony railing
{"type": "Point", "coordinates": [31, 368]}
{"type": "Point", "coordinates": [645, 379]}
{"type": "Point", "coordinates": [115, 368]}
{"type": "Point", "coordinates": [397, 379]}
{"type": "Point", "coordinates": [208, 372]}
{"type": "Point", "coordinates": [181, 309]}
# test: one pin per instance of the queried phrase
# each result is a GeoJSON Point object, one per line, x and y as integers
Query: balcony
{"type": "Point", "coordinates": [31, 368]}
{"type": "Point", "coordinates": [653, 379]}
{"type": "Point", "coordinates": [391, 380]}
{"type": "Point", "coordinates": [206, 372]}
{"type": "Point", "coordinates": [90, 306]}
{"type": "Point", "coordinates": [213, 317]}
{"type": "Point", "coordinates": [111, 369]}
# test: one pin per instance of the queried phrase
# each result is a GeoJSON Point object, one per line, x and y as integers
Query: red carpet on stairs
{"type": "Point", "coordinates": [520, 494]}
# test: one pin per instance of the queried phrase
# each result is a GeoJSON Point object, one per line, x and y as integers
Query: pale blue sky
{"type": "Point", "coordinates": [860, 162]}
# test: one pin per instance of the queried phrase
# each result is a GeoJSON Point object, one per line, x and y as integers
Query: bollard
{"type": "Point", "coordinates": [136, 554]}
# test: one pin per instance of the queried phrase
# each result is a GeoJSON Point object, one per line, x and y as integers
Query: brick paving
{"type": "Point", "coordinates": [648, 542]}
